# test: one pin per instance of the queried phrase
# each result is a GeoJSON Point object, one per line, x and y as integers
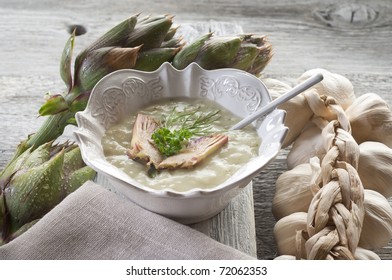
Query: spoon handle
{"type": "Point", "coordinates": [281, 99]}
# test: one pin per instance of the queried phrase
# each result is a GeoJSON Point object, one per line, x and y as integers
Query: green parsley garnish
{"type": "Point", "coordinates": [170, 142]}
{"type": "Point", "coordinates": [180, 126]}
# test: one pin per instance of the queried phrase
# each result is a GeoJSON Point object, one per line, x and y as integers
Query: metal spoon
{"type": "Point", "coordinates": [281, 99]}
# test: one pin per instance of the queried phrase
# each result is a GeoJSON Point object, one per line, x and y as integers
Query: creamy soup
{"type": "Point", "coordinates": [242, 146]}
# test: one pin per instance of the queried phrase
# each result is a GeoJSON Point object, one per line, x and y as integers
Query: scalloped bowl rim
{"type": "Point", "coordinates": [245, 173]}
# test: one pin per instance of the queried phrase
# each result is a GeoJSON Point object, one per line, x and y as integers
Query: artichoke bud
{"type": "Point", "coordinates": [188, 53]}
{"type": "Point", "coordinates": [21, 230]}
{"type": "Point", "coordinates": [122, 58]}
{"type": "Point", "coordinates": [76, 173]}
{"type": "Point", "coordinates": [255, 39]}
{"type": "Point", "coordinates": [37, 157]}
{"type": "Point", "coordinates": [40, 179]}
{"type": "Point", "coordinates": [176, 42]}
{"type": "Point", "coordinates": [29, 158]}
{"type": "Point", "coordinates": [90, 69]}
{"type": "Point", "coordinates": [170, 34]}
{"type": "Point", "coordinates": [151, 60]}
{"type": "Point", "coordinates": [33, 192]}
{"type": "Point", "coordinates": [73, 159]}
{"type": "Point", "coordinates": [150, 34]}
{"type": "Point", "coordinates": [247, 52]}
{"type": "Point", "coordinates": [117, 36]}
{"type": "Point", "coordinates": [149, 19]}
{"type": "Point", "coordinates": [77, 178]}
{"type": "Point", "coordinates": [262, 59]}
{"type": "Point", "coordinates": [66, 61]}
{"type": "Point", "coordinates": [219, 52]}
{"type": "Point", "coordinates": [53, 105]}
{"type": "Point", "coordinates": [100, 62]}
{"type": "Point", "coordinates": [245, 56]}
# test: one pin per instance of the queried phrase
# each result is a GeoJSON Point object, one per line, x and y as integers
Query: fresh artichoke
{"type": "Point", "coordinates": [138, 44]}
{"type": "Point", "coordinates": [247, 52]}
{"type": "Point", "coordinates": [36, 182]}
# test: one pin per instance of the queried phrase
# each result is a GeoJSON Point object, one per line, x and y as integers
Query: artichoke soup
{"type": "Point", "coordinates": [180, 144]}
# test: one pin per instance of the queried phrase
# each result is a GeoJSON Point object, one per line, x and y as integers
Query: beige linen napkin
{"type": "Point", "coordinates": [94, 223]}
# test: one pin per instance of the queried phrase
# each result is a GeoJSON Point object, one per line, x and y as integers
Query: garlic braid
{"type": "Point", "coordinates": [336, 212]}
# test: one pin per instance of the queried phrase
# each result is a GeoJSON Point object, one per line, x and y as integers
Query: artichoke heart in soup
{"type": "Point", "coordinates": [180, 144]}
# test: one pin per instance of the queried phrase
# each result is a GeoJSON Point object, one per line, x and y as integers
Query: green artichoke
{"type": "Point", "coordinates": [36, 182]}
{"type": "Point", "coordinates": [247, 52]}
{"type": "Point", "coordinates": [138, 44]}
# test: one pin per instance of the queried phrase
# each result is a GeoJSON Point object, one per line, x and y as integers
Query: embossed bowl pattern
{"type": "Point", "coordinates": [127, 91]}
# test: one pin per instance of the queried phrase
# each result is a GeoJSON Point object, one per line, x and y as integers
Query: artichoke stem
{"type": "Point", "coordinates": [51, 129]}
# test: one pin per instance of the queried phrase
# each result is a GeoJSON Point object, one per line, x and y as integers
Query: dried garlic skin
{"type": "Point", "coordinates": [371, 119]}
{"type": "Point", "coordinates": [364, 254]}
{"type": "Point", "coordinates": [377, 223]}
{"type": "Point", "coordinates": [285, 258]}
{"type": "Point", "coordinates": [298, 112]}
{"type": "Point", "coordinates": [292, 191]}
{"type": "Point", "coordinates": [375, 167]}
{"type": "Point", "coordinates": [333, 85]}
{"type": "Point", "coordinates": [285, 232]}
{"type": "Point", "coordinates": [308, 144]}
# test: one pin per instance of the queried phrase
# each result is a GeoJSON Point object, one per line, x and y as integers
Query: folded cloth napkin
{"type": "Point", "coordinates": [94, 223]}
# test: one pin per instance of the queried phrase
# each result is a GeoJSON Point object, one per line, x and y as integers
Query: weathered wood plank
{"type": "Point", "coordinates": [235, 225]}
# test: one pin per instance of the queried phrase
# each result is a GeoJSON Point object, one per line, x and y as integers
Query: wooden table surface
{"type": "Point", "coordinates": [351, 38]}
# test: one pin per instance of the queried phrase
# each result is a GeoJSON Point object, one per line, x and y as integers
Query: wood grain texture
{"type": "Point", "coordinates": [351, 38]}
{"type": "Point", "coordinates": [235, 225]}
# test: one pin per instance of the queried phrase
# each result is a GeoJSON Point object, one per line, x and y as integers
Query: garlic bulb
{"type": "Point", "coordinates": [375, 167]}
{"type": "Point", "coordinates": [377, 224]}
{"type": "Point", "coordinates": [285, 258]}
{"type": "Point", "coordinates": [308, 144]}
{"type": "Point", "coordinates": [292, 191]}
{"type": "Point", "coordinates": [289, 233]}
{"type": "Point", "coordinates": [363, 254]}
{"type": "Point", "coordinates": [297, 109]}
{"type": "Point", "coordinates": [371, 119]}
{"type": "Point", "coordinates": [333, 85]}
{"type": "Point", "coordinates": [276, 87]}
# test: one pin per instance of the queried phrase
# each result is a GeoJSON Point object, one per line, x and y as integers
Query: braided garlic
{"type": "Point", "coordinates": [322, 209]}
{"type": "Point", "coordinates": [333, 85]}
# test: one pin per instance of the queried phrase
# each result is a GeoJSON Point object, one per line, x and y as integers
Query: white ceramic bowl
{"type": "Point", "coordinates": [127, 91]}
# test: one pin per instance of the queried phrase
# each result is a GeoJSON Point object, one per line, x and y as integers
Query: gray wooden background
{"type": "Point", "coordinates": [352, 38]}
